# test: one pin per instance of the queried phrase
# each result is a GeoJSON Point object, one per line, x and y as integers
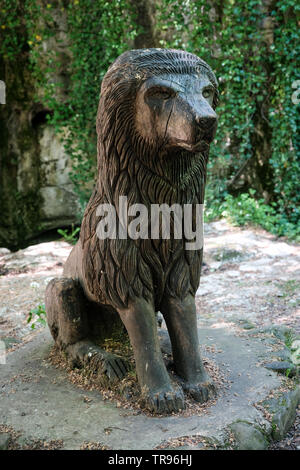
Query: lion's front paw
{"type": "Point", "coordinates": [98, 361]}
{"type": "Point", "coordinates": [164, 401]}
{"type": "Point", "coordinates": [108, 364]}
{"type": "Point", "coordinates": [115, 367]}
{"type": "Point", "coordinates": [200, 392]}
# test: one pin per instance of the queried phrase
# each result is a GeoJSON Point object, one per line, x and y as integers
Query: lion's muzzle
{"type": "Point", "coordinates": [205, 125]}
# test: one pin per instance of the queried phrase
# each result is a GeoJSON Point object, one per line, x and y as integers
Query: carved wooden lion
{"type": "Point", "coordinates": [155, 122]}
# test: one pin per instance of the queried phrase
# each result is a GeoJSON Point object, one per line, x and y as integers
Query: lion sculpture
{"type": "Point", "coordinates": [155, 122]}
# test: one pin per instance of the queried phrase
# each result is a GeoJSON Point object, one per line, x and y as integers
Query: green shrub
{"type": "Point", "coordinates": [245, 210]}
{"type": "Point", "coordinates": [70, 236]}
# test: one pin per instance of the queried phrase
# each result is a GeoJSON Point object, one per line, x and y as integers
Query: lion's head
{"type": "Point", "coordinates": [157, 105]}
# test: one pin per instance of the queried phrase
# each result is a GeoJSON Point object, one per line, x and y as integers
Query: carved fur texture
{"type": "Point", "coordinates": [147, 171]}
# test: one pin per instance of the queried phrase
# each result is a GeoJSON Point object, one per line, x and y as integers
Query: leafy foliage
{"type": "Point", "coordinates": [77, 40]}
{"type": "Point", "coordinates": [97, 33]}
{"type": "Point", "coordinates": [245, 209]}
{"type": "Point", "coordinates": [37, 316]}
{"type": "Point", "coordinates": [254, 78]}
{"type": "Point", "coordinates": [70, 237]}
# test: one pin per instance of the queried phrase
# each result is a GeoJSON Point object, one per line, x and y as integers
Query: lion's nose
{"type": "Point", "coordinates": [207, 121]}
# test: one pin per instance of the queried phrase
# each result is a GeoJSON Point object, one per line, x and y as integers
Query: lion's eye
{"type": "Point", "coordinates": [207, 93]}
{"type": "Point", "coordinates": [161, 93]}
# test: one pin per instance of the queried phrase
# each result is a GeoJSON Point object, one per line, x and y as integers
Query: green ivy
{"type": "Point", "coordinates": [233, 47]}
{"type": "Point", "coordinates": [97, 31]}
{"type": "Point", "coordinates": [245, 209]}
{"type": "Point", "coordinates": [228, 37]}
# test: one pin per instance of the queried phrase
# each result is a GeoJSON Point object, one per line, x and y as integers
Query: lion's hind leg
{"type": "Point", "coordinates": [67, 317]}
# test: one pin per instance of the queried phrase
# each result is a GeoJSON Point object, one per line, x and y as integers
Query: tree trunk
{"type": "Point", "coordinates": [257, 172]}
{"type": "Point", "coordinates": [144, 13]}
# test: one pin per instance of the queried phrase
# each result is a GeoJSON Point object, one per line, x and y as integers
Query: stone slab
{"type": "Point", "coordinates": [38, 400]}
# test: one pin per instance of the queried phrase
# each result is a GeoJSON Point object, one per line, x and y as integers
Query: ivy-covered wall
{"type": "Point", "coordinates": [64, 47]}
{"type": "Point", "coordinates": [36, 193]}
{"type": "Point", "coordinates": [254, 48]}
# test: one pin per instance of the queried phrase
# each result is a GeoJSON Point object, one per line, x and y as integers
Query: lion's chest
{"type": "Point", "coordinates": [145, 268]}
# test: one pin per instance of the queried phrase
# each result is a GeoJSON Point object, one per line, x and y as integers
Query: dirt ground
{"type": "Point", "coordinates": [249, 276]}
{"type": "Point", "coordinates": [250, 280]}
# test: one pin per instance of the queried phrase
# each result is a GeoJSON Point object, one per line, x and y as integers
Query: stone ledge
{"type": "Point", "coordinates": [38, 400]}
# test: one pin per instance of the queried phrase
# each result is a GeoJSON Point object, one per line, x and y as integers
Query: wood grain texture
{"type": "Point", "coordinates": [147, 172]}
